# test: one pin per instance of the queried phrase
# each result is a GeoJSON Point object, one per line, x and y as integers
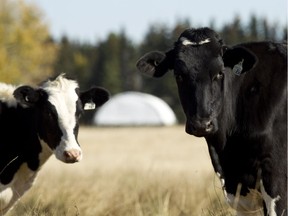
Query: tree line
{"type": "Point", "coordinates": [28, 53]}
{"type": "Point", "coordinates": [111, 62]}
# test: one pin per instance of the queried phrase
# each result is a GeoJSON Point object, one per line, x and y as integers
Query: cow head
{"type": "Point", "coordinates": [201, 63]}
{"type": "Point", "coordinates": [58, 105]}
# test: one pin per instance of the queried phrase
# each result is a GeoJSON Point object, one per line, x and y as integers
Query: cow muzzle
{"type": "Point", "coordinates": [72, 156]}
{"type": "Point", "coordinates": [201, 127]}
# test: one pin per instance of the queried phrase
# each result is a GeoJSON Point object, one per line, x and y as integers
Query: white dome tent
{"type": "Point", "coordinates": [134, 109]}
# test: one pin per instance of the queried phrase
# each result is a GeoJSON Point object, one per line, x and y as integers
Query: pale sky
{"type": "Point", "coordinates": [91, 20]}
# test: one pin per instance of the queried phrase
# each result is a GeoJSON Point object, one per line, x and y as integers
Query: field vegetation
{"type": "Point", "coordinates": [158, 171]}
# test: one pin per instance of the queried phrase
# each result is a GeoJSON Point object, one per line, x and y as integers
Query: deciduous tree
{"type": "Point", "coordinates": [26, 50]}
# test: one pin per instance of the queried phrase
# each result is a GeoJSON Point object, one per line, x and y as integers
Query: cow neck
{"type": "Point", "coordinates": [45, 153]}
{"type": "Point", "coordinates": [227, 123]}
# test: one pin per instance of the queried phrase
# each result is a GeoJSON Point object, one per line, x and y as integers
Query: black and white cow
{"type": "Point", "coordinates": [34, 124]}
{"type": "Point", "coordinates": [235, 97]}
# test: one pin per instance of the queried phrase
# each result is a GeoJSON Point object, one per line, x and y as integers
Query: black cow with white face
{"type": "Point", "coordinates": [235, 97]}
{"type": "Point", "coordinates": [34, 124]}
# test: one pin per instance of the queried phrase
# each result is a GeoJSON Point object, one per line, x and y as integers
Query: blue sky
{"type": "Point", "coordinates": [91, 20]}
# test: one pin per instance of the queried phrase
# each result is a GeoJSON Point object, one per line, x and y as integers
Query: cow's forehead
{"type": "Point", "coordinates": [60, 84]}
{"type": "Point", "coordinates": [200, 42]}
{"type": "Point", "coordinates": [63, 97]}
{"type": "Point", "coordinates": [62, 93]}
{"type": "Point", "coordinates": [198, 52]}
{"type": "Point", "coordinates": [199, 35]}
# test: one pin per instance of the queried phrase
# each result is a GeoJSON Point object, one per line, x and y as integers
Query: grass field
{"type": "Point", "coordinates": [158, 171]}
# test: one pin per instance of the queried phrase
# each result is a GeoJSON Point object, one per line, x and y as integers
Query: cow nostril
{"type": "Point", "coordinates": [72, 156]}
{"type": "Point", "coordinates": [209, 126]}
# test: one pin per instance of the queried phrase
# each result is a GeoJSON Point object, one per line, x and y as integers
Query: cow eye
{"type": "Point", "coordinates": [178, 78]}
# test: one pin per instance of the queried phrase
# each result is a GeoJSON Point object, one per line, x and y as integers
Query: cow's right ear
{"type": "Point", "coordinates": [155, 63]}
{"type": "Point", "coordinates": [26, 96]}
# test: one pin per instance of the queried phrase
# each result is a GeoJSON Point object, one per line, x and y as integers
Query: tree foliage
{"type": "Point", "coordinates": [26, 52]}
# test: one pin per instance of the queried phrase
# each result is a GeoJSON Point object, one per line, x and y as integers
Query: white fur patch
{"type": "Point", "coordinates": [207, 40]}
{"type": "Point", "coordinates": [11, 193]}
{"type": "Point", "coordinates": [249, 205]}
{"type": "Point", "coordinates": [222, 181]}
{"type": "Point", "coordinates": [63, 96]}
{"type": "Point", "coordinates": [6, 196]}
{"type": "Point", "coordinates": [252, 203]}
{"type": "Point", "coordinates": [269, 201]}
{"type": "Point", "coordinates": [187, 42]}
{"type": "Point", "coordinates": [6, 94]}
{"type": "Point", "coordinates": [22, 181]}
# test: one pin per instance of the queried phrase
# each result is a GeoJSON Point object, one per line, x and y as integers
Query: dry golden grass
{"type": "Point", "coordinates": [158, 171]}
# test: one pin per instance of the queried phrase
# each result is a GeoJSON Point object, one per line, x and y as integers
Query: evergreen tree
{"type": "Point", "coordinates": [253, 29]}
{"type": "Point", "coordinates": [107, 65]}
{"type": "Point", "coordinates": [160, 38]}
{"type": "Point", "coordinates": [127, 56]}
{"type": "Point", "coordinates": [233, 33]}
{"type": "Point", "coordinates": [111, 62]}
{"type": "Point", "coordinates": [75, 60]}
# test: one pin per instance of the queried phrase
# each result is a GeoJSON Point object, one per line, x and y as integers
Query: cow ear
{"type": "Point", "coordinates": [155, 64]}
{"type": "Point", "coordinates": [26, 96]}
{"type": "Point", "coordinates": [94, 97]}
{"type": "Point", "coordinates": [239, 59]}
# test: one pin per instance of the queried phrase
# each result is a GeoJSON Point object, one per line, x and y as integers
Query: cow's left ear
{"type": "Point", "coordinates": [239, 59]}
{"type": "Point", "coordinates": [27, 96]}
{"type": "Point", "coordinates": [94, 97]}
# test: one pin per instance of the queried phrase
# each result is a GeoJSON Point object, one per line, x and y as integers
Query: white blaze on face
{"type": "Point", "coordinates": [62, 94]}
{"type": "Point", "coordinates": [187, 42]}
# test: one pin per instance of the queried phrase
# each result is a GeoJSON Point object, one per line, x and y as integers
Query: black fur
{"type": "Point", "coordinates": [243, 118]}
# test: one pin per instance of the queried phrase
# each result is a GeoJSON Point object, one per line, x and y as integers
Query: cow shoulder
{"type": "Point", "coordinates": [19, 142]}
{"type": "Point", "coordinates": [262, 96]}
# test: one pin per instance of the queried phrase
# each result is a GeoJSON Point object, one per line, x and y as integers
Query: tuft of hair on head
{"type": "Point", "coordinates": [197, 37]}
{"type": "Point", "coordinates": [60, 82]}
